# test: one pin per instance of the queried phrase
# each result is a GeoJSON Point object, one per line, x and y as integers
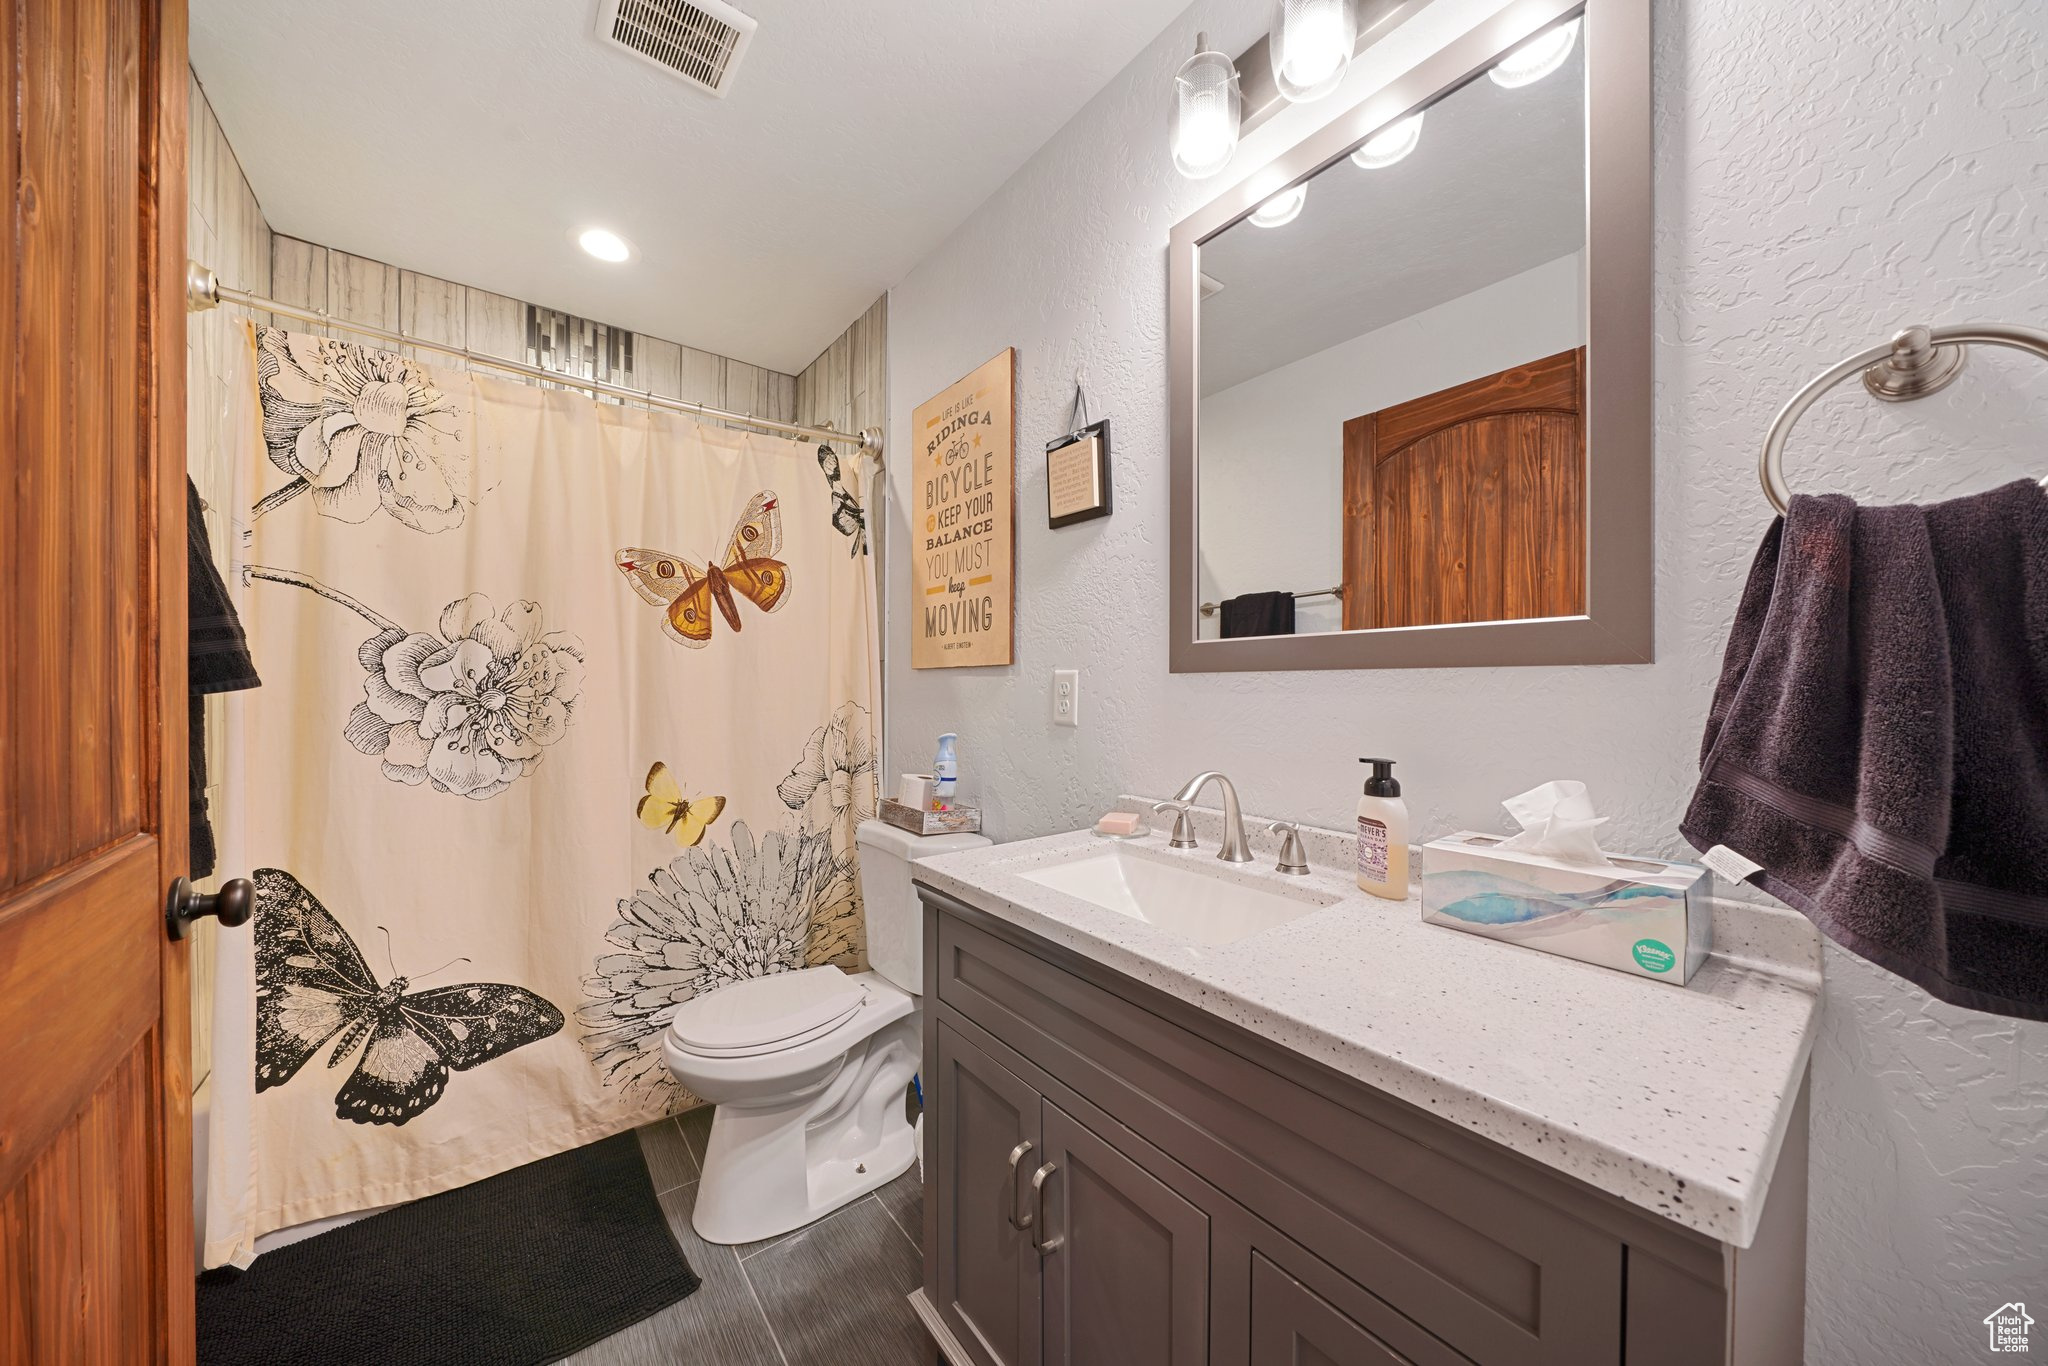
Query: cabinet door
{"type": "Point", "coordinates": [1293, 1326]}
{"type": "Point", "coordinates": [1126, 1261]}
{"type": "Point", "coordinates": [987, 1275]}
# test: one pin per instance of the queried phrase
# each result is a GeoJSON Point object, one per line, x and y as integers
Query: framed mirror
{"type": "Point", "coordinates": [1410, 365]}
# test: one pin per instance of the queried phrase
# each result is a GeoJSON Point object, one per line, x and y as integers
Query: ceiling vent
{"type": "Point", "coordinates": [701, 41]}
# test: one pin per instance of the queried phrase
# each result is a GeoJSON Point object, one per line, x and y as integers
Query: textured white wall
{"type": "Point", "coordinates": [1824, 173]}
{"type": "Point", "coordinates": [1273, 446]}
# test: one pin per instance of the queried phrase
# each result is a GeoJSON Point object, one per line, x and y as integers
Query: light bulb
{"type": "Point", "coordinates": [604, 244]}
{"type": "Point", "coordinates": [1282, 208]}
{"type": "Point", "coordinates": [1537, 58]}
{"type": "Point", "coordinates": [1389, 145]}
{"type": "Point", "coordinates": [1311, 42]}
{"type": "Point", "coordinates": [1207, 111]}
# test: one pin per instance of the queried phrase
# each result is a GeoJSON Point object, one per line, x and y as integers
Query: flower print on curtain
{"type": "Point", "coordinates": [467, 710]}
{"type": "Point", "coordinates": [359, 429]}
{"type": "Point", "coordinates": [716, 914]}
{"type": "Point", "coordinates": [834, 783]}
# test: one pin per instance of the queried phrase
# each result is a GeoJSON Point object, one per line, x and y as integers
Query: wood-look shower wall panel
{"type": "Point", "coordinates": [361, 290]}
{"type": "Point", "coordinates": [225, 230]}
{"type": "Point", "coordinates": [847, 385]}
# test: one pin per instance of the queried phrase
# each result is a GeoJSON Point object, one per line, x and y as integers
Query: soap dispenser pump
{"type": "Point", "coordinates": [1383, 834]}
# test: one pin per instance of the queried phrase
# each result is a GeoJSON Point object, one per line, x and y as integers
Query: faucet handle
{"type": "Point", "coordinates": [1182, 838]}
{"type": "Point", "coordinates": [1293, 858]}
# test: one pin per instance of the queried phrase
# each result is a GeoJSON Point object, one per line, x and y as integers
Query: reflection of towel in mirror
{"type": "Point", "coordinates": [1879, 737]}
{"type": "Point", "coordinates": [1258, 614]}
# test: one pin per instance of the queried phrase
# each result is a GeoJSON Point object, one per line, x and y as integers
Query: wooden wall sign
{"type": "Point", "coordinates": [963, 518]}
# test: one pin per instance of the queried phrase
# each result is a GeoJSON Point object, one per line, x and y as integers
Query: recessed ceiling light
{"type": "Point", "coordinates": [604, 244]}
{"type": "Point", "coordinates": [1537, 58]}
{"type": "Point", "coordinates": [1389, 145]}
{"type": "Point", "coordinates": [1283, 207]}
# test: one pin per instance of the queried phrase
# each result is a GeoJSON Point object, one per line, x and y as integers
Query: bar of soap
{"type": "Point", "coordinates": [1117, 823]}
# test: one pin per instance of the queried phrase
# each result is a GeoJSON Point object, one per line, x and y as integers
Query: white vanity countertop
{"type": "Point", "coordinates": [1672, 1098]}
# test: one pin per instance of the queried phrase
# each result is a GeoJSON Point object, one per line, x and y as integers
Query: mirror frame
{"type": "Point", "coordinates": [1617, 626]}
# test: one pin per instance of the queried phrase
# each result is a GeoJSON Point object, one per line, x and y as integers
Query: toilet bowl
{"type": "Point", "coordinates": [808, 1069]}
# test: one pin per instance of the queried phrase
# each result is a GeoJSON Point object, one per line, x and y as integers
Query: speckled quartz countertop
{"type": "Point", "coordinates": [1672, 1098]}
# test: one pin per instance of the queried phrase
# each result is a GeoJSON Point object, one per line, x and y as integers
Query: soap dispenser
{"type": "Point", "coordinates": [1383, 834]}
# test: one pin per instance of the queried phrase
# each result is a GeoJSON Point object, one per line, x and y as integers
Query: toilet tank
{"type": "Point", "coordinates": [895, 922]}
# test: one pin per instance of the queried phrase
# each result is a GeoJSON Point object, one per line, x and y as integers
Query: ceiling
{"type": "Point", "coordinates": [1496, 186]}
{"type": "Point", "coordinates": [468, 139]}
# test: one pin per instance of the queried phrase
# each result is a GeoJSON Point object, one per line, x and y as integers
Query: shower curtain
{"type": "Point", "coordinates": [566, 718]}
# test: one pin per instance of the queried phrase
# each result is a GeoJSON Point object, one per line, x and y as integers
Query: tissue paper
{"type": "Point", "coordinates": [1551, 888]}
{"type": "Point", "coordinates": [1557, 821]}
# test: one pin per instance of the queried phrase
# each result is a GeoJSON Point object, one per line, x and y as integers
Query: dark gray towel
{"type": "Point", "coordinates": [217, 660]}
{"type": "Point", "coordinates": [1879, 737]}
{"type": "Point", "coordinates": [1258, 614]}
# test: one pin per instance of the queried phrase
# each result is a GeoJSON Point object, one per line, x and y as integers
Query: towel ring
{"type": "Point", "coordinates": [1916, 362]}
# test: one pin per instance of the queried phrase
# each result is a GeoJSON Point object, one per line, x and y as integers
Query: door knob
{"type": "Point", "coordinates": [231, 905]}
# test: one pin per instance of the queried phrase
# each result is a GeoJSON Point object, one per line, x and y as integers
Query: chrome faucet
{"type": "Point", "coordinates": [1234, 848]}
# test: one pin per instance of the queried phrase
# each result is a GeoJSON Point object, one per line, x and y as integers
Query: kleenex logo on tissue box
{"type": "Point", "coordinates": [1644, 916]}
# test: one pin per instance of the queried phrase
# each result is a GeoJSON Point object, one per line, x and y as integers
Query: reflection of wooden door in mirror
{"type": "Point", "coordinates": [1469, 504]}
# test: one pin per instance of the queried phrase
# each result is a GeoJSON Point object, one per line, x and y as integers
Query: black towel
{"type": "Point", "coordinates": [1258, 614]}
{"type": "Point", "coordinates": [217, 660]}
{"type": "Point", "coordinates": [1879, 737]}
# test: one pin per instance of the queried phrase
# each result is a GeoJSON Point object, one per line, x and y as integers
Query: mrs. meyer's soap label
{"type": "Point", "coordinates": [1372, 849]}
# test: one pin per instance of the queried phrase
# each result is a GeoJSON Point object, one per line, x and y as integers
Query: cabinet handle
{"type": "Point", "coordinates": [1016, 1156]}
{"type": "Point", "coordinates": [1038, 1180]}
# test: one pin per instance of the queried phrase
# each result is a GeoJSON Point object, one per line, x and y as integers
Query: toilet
{"type": "Point", "coordinates": [808, 1068]}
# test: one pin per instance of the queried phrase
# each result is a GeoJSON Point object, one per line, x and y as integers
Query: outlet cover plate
{"type": "Point", "coordinates": [1066, 697]}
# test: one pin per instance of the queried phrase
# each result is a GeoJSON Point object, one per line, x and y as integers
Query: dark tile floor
{"type": "Point", "coordinates": [829, 1294]}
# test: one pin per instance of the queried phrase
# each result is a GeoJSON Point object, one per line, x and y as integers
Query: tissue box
{"type": "Point", "coordinates": [1643, 916]}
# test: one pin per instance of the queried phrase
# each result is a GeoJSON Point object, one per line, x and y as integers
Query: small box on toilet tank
{"type": "Point", "coordinates": [1642, 916]}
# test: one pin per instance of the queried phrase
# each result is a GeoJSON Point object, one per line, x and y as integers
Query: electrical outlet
{"type": "Point", "coordinates": [1066, 697]}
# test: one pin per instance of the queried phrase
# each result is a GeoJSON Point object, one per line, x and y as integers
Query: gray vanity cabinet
{"type": "Point", "coordinates": [987, 1271]}
{"type": "Point", "coordinates": [1126, 1261]}
{"type": "Point", "coordinates": [1097, 1261]}
{"type": "Point", "coordinates": [1115, 1176]}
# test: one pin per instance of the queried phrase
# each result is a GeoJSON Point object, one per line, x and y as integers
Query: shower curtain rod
{"type": "Point", "coordinates": [203, 291]}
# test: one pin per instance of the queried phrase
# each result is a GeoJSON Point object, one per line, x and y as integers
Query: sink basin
{"type": "Point", "coordinates": [1201, 906]}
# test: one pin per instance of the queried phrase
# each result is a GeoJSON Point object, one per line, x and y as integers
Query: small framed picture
{"type": "Point", "coordinates": [1077, 476]}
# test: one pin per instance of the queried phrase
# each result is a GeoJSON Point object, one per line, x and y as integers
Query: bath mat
{"type": "Point", "coordinates": [525, 1266]}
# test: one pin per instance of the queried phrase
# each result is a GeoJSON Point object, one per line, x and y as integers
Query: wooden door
{"type": "Point", "coordinates": [985, 1143]}
{"type": "Point", "coordinates": [1469, 504]}
{"type": "Point", "coordinates": [95, 1125]}
{"type": "Point", "coordinates": [1126, 1260]}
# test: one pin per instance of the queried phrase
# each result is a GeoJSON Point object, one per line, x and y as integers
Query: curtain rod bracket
{"type": "Point", "coordinates": [202, 288]}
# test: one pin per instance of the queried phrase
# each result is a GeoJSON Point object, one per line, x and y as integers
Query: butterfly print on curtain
{"type": "Point", "coordinates": [360, 429]}
{"type": "Point", "coordinates": [468, 710]}
{"type": "Point", "coordinates": [312, 985]}
{"type": "Point", "coordinates": [713, 915]}
{"type": "Point", "coordinates": [666, 809]}
{"type": "Point", "coordinates": [685, 591]}
{"type": "Point", "coordinates": [848, 518]}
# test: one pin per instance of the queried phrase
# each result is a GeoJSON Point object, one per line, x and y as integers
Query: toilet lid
{"type": "Point", "coordinates": [764, 1013]}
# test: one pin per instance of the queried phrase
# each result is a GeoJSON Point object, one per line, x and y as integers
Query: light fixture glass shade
{"type": "Point", "coordinates": [1311, 42]}
{"type": "Point", "coordinates": [604, 244]}
{"type": "Point", "coordinates": [1207, 111]}
{"type": "Point", "coordinates": [1389, 145]}
{"type": "Point", "coordinates": [1283, 207]}
{"type": "Point", "coordinates": [1537, 58]}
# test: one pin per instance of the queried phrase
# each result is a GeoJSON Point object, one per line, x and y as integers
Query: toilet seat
{"type": "Point", "coordinates": [767, 1014]}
